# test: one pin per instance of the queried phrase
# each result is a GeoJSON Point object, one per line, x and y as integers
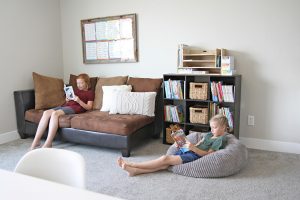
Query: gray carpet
{"type": "Point", "coordinates": [268, 175]}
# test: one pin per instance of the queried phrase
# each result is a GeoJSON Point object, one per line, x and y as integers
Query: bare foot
{"type": "Point", "coordinates": [121, 161]}
{"type": "Point", "coordinates": [47, 146]}
{"type": "Point", "coordinates": [34, 146]}
{"type": "Point", "coordinates": [130, 170]}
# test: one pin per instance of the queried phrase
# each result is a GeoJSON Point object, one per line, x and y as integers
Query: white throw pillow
{"type": "Point", "coordinates": [142, 103]}
{"type": "Point", "coordinates": [108, 94]}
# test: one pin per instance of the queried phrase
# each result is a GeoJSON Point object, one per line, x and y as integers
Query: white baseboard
{"type": "Point", "coordinates": [271, 145]}
{"type": "Point", "coordinates": [8, 137]}
{"type": "Point", "coordinates": [252, 143]}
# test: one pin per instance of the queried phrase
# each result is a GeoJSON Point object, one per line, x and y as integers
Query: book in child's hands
{"type": "Point", "coordinates": [180, 139]}
{"type": "Point", "coordinates": [69, 92]}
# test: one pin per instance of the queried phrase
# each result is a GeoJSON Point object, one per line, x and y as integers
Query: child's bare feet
{"type": "Point", "coordinates": [130, 170]}
{"type": "Point", "coordinates": [120, 161]}
{"type": "Point", "coordinates": [47, 145]}
{"type": "Point", "coordinates": [34, 146]}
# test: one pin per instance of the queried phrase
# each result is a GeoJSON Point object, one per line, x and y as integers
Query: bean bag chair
{"type": "Point", "coordinates": [221, 163]}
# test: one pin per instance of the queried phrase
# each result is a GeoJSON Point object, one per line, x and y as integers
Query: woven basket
{"type": "Point", "coordinates": [199, 115]}
{"type": "Point", "coordinates": [198, 91]}
{"type": "Point", "coordinates": [169, 139]}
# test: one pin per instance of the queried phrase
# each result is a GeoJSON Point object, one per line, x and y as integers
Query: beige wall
{"type": "Point", "coordinates": [30, 40]}
{"type": "Point", "coordinates": [262, 35]}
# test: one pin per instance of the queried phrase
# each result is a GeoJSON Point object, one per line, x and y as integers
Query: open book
{"type": "Point", "coordinates": [69, 92]}
{"type": "Point", "coordinates": [180, 139]}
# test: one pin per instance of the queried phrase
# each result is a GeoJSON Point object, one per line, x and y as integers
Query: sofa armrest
{"type": "Point", "coordinates": [24, 100]}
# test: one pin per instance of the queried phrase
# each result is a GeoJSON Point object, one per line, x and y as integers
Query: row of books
{"type": "Point", "coordinates": [173, 113]}
{"type": "Point", "coordinates": [174, 89]}
{"type": "Point", "coordinates": [221, 93]}
{"type": "Point", "coordinates": [215, 109]}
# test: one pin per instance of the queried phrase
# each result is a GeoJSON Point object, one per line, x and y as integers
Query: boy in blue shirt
{"type": "Point", "coordinates": [213, 141]}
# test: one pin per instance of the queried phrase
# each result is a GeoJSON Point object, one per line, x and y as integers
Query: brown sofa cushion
{"type": "Point", "coordinates": [72, 82]}
{"type": "Point", "coordinates": [105, 123]}
{"type": "Point", "coordinates": [145, 84]}
{"type": "Point", "coordinates": [49, 92]}
{"type": "Point", "coordinates": [36, 115]}
{"type": "Point", "coordinates": [117, 80]}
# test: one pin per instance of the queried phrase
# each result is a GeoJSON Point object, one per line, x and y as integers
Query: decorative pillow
{"type": "Point", "coordinates": [49, 92]}
{"type": "Point", "coordinates": [142, 103]}
{"type": "Point", "coordinates": [145, 84]}
{"type": "Point", "coordinates": [72, 81]}
{"type": "Point", "coordinates": [117, 80]}
{"type": "Point", "coordinates": [108, 94]}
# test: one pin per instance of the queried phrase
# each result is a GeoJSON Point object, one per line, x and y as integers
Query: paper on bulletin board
{"type": "Point", "coordinates": [91, 50]}
{"type": "Point", "coordinates": [126, 28]}
{"type": "Point", "coordinates": [102, 50]}
{"type": "Point", "coordinates": [127, 49]}
{"type": "Point", "coordinates": [90, 32]}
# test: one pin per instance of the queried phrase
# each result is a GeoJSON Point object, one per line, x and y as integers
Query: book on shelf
{"type": "Point", "coordinates": [69, 92]}
{"type": "Point", "coordinates": [181, 140]}
{"type": "Point", "coordinates": [221, 92]}
{"type": "Point", "coordinates": [214, 93]}
{"type": "Point", "coordinates": [173, 113]}
{"type": "Point", "coordinates": [174, 89]}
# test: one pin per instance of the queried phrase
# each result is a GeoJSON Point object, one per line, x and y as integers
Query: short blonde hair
{"type": "Point", "coordinates": [221, 120]}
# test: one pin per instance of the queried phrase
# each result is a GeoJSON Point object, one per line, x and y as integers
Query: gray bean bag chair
{"type": "Point", "coordinates": [224, 162]}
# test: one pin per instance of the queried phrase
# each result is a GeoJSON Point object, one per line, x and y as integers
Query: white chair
{"type": "Point", "coordinates": [58, 165]}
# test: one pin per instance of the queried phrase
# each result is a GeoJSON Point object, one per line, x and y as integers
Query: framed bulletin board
{"type": "Point", "coordinates": [109, 39]}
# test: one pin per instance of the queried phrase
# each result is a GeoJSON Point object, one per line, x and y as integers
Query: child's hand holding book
{"type": "Point", "coordinates": [180, 140]}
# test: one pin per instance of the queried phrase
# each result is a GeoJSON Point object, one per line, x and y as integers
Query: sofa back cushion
{"type": "Point", "coordinates": [141, 103]}
{"type": "Point", "coordinates": [73, 83]}
{"type": "Point", "coordinates": [117, 80]}
{"type": "Point", "coordinates": [49, 91]}
{"type": "Point", "coordinates": [145, 84]}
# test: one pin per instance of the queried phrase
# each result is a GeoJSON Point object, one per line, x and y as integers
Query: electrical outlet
{"type": "Point", "coordinates": [250, 120]}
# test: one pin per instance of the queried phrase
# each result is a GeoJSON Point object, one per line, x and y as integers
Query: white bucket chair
{"type": "Point", "coordinates": [58, 165]}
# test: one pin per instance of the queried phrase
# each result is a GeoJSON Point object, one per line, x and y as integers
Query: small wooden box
{"type": "Point", "coordinates": [199, 115]}
{"type": "Point", "coordinates": [198, 91]}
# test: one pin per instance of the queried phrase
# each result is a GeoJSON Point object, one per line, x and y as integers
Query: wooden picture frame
{"type": "Point", "coordinates": [109, 39]}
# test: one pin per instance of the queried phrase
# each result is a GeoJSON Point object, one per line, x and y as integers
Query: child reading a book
{"type": "Point", "coordinates": [82, 102]}
{"type": "Point", "coordinates": [213, 141]}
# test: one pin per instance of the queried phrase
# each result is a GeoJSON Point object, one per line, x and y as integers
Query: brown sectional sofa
{"type": "Point", "coordinates": [95, 127]}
